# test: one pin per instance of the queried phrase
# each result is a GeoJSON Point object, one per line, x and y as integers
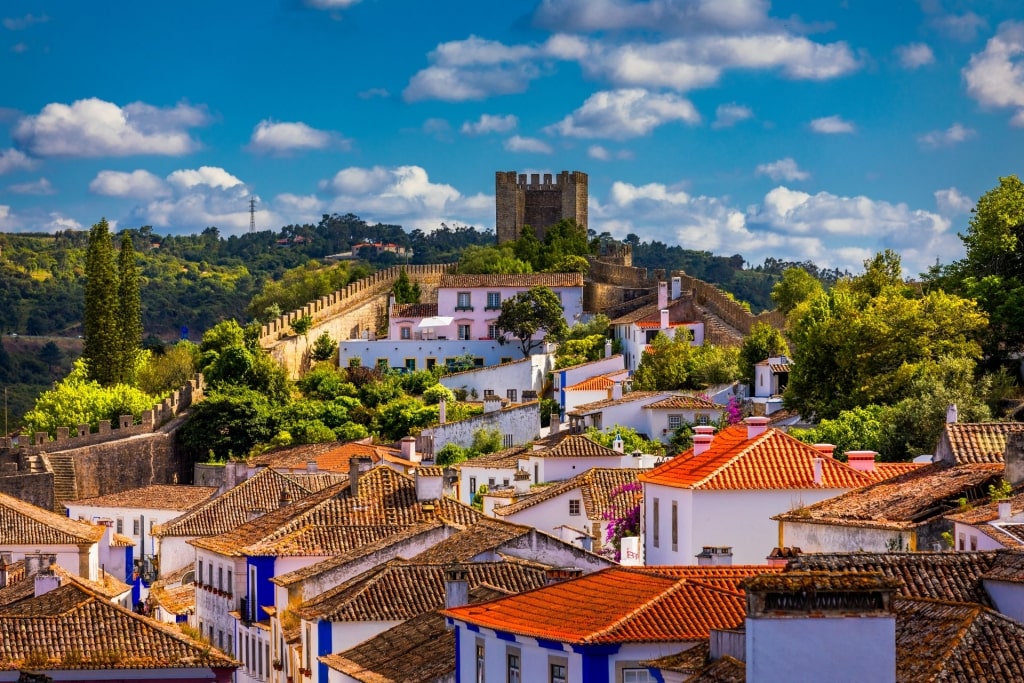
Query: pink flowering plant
{"type": "Point", "coordinates": [623, 515]}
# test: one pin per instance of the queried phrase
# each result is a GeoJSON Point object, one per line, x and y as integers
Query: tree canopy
{"type": "Point", "coordinates": [528, 313]}
{"type": "Point", "coordinates": [102, 347]}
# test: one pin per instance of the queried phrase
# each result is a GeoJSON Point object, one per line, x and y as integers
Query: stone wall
{"type": "Point", "coordinates": [520, 421]}
{"type": "Point", "coordinates": [538, 201]}
{"type": "Point", "coordinates": [728, 310]}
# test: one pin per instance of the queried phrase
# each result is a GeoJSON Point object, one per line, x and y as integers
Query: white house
{"type": "Point", "coordinates": [994, 526]}
{"type": "Point", "coordinates": [725, 489]}
{"type": "Point", "coordinates": [25, 529]}
{"type": "Point", "coordinates": [516, 380]}
{"type": "Point", "coordinates": [612, 368]}
{"type": "Point", "coordinates": [657, 414]}
{"type": "Point", "coordinates": [677, 315]}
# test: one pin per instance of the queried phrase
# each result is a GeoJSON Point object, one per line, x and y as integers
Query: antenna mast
{"type": "Point", "coordinates": [252, 215]}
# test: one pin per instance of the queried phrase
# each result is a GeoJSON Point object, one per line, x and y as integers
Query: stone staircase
{"type": "Point", "coordinates": [717, 331]}
{"type": "Point", "coordinates": [65, 482]}
{"type": "Point", "coordinates": [34, 464]}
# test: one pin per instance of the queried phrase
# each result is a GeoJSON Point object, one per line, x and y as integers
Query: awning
{"type": "Point", "coordinates": [436, 321]}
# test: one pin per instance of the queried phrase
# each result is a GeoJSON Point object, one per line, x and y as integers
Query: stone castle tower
{"type": "Point", "coordinates": [537, 204]}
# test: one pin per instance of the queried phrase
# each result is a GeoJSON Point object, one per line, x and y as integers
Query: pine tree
{"type": "Point", "coordinates": [102, 343]}
{"type": "Point", "coordinates": [129, 311]}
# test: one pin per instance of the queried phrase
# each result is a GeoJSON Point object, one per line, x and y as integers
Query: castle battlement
{"type": "Point", "coordinates": [538, 200]}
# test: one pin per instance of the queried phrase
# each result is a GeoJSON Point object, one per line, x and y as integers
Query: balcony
{"type": "Point", "coordinates": [463, 308]}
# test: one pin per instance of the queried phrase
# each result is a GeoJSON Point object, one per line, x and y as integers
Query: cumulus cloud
{"type": "Point", "coordinates": [962, 27]}
{"type": "Point", "coordinates": [405, 194]}
{"type": "Point", "coordinates": [914, 55]}
{"type": "Point", "coordinates": [952, 202]}
{"type": "Point", "coordinates": [207, 176]}
{"type": "Point", "coordinates": [473, 69]}
{"type": "Point", "coordinates": [783, 169]}
{"type": "Point", "coordinates": [58, 221]}
{"type": "Point", "coordinates": [22, 23]}
{"type": "Point", "coordinates": [624, 114]}
{"type": "Point", "coordinates": [488, 123]}
{"type": "Point", "coordinates": [38, 187]}
{"type": "Point", "coordinates": [14, 160]}
{"type": "Point", "coordinates": [517, 143]}
{"type": "Point", "coordinates": [995, 76]}
{"type": "Point", "coordinates": [728, 115]}
{"type": "Point", "coordinates": [832, 125]}
{"type": "Point", "coordinates": [139, 184]}
{"type": "Point", "coordinates": [272, 137]}
{"type": "Point", "coordinates": [7, 223]}
{"type": "Point", "coordinates": [601, 153]}
{"type": "Point", "coordinates": [953, 135]}
{"type": "Point", "coordinates": [584, 16]}
{"type": "Point", "coordinates": [93, 128]}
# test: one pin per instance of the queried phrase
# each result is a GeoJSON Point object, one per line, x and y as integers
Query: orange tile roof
{"type": "Point", "coordinates": [329, 457]}
{"type": "Point", "coordinates": [772, 460]}
{"type": "Point", "coordinates": [684, 402]}
{"type": "Point", "coordinates": [604, 403]}
{"type": "Point", "coordinates": [721, 576]}
{"type": "Point", "coordinates": [574, 446]}
{"type": "Point", "coordinates": [591, 362]}
{"type": "Point", "coordinates": [888, 470]}
{"type": "Point", "coordinates": [414, 310]}
{"type": "Point", "coordinates": [22, 523]}
{"type": "Point", "coordinates": [616, 605]}
{"type": "Point", "coordinates": [524, 280]}
{"type": "Point", "coordinates": [593, 384]}
{"type": "Point", "coordinates": [596, 487]}
{"type": "Point", "coordinates": [155, 497]}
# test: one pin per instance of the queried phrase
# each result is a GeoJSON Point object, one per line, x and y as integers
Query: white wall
{"type": "Point", "coordinates": [560, 469]}
{"type": "Point", "coordinates": [550, 514]}
{"type": "Point", "coordinates": [524, 374]}
{"type": "Point", "coordinates": [968, 532]}
{"type": "Point", "coordinates": [657, 420]}
{"type": "Point", "coordinates": [521, 422]}
{"type": "Point", "coordinates": [148, 517]}
{"type": "Point", "coordinates": [174, 553]}
{"type": "Point", "coordinates": [483, 476]}
{"type": "Point", "coordinates": [1007, 597]}
{"type": "Point", "coordinates": [827, 538]}
{"type": "Point", "coordinates": [396, 351]}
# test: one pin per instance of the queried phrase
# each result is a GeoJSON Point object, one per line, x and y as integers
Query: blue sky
{"type": "Point", "coordinates": [800, 130]}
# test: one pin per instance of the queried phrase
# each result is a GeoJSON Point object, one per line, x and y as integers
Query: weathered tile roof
{"type": "Point", "coordinates": [485, 536]}
{"type": "Point", "coordinates": [155, 497]}
{"type": "Point", "coordinates": [421, 650]}
{"type": "Point", "coordinates": [596, 487]}
{"type": "Point", "coordinates": [684, 402]}
{"type": "Point", "coordinates": [616, 605]}
{"type": "Point", "coordinates": [1008, 567]}
{"type": "Point", "coordinates": [727, 577]}
{"type": "Point", "coordinates": [22, 523]}
{"type": "Point", "coordinates": [948, 641]}
{"type": "Point", "coordinates": [598, 383]}
{"type": "Point", "coordinates": [332, 457]}
{"type": "Point", "coordinates": [575, 446]}
{"type": "Point", "coordinates": [820, 581]}
{"type": "Point", "coordinates": [591, 362]}
{"type": "Point", "coordinates": [78, 629]}
{"type": "Point", "coordinates": [172, 595]}
{"type": "Point", "coordinates": [121, 541]}
{"type": "Point", "coordinates": [979, 514]}
{"type": "Point", "coordinates": [594, 406]}
{"type": "Point", "coordinates": [107, 586]}
{"type": "Point", "coordinates": [902, 502]}
{"type": "Point", "coordinates": [725, 669]}
{"type": "Point", "coordinates": [689, 661]}
{"type": "Point", "coordinates": [399, 590]}
{"type": "Point", "coordinates": [681, 308]}
{"type": "Point", "coordinates": [413, 310]}
{"type": "Point", "coordinates": [656, 324]}
{"type": "Point", "coordinates": [980, 442]}
{"type": "Point", "coordinates": [504, 459]}
{"type": "Point", "coordinates": [512, 280]}
{"type": "Point", "coordinates": [771, 460]}
{"type": "Point", "coordinates": [938, 575]}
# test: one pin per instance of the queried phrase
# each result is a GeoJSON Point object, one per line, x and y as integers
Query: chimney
{"type": "Point", "coordinates": [618, 445]}
{"type": "Point", "coordinates": [357, 466]}
{"type": "Point", "coordinates": [522, 479]}
{"type": "Point", "coordinates": [286, 498]}
{"type": "Point", "coordinates": [607, 348]}
{"type": "Point", "coordinates": [780, 557]}
{"type": "Point", "coordinates": [556, 422]}
{"type": "Point", "coordinates": [442, 412]}
{"type": "Point", "coordinates": [662, 294]}
{"type": "Point", "coordinates": [617, 390]}
{"type": "Point", "coordinates": [1013, 457]}
{"type": "Point", "coordinates": [629, 554]}
{"type": "Point", "coordinates": [677, 287]}
{"type": "Point", "coordinates": [862, 461]}
{"type": "Point", "coordinates": [701, 443]}
{"type": "Point", "coordinates": [38, 562]}
{"type": "Point", "coordinates": [409, 449]}
{"type": "Point", "coordinates": [312, 467]}
{"type": "Point", "coordinates": [559, 574]}
{"type": "Point", "coordinates": [456, 586]}
{"type": "Point", "coordinates": [715, 556]}
{"type": "Point", "coordinates": [818, 466]}
{"type": "Point", "coordinates": [46, 581]}
{"type": "Point", "coordinates": [5, 561]}
{"type": "Point", "coordinates": [428, 486]}
{"type": "Point", "coordinates": [756, 426]}
{"type": "Point", "coordinates": [826, 449]}
{"type": "Point", "coordinates": [1005, 510]}
{"type": "Point", "coordinates": [492, 404]}
{"type": "Point", "coordinates": [952, 414]}
{"type": "Point", "coordinates": [664, 319]}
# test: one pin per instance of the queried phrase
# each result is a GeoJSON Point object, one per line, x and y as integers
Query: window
{"type": "Point", "coordinates": [200, 578]}
{"type": "Point", "coordinates": [231, 584]}
{"type": "Point", "coordinates": [410, 364]}
{"type": "Point", "coordinates": [462, 302]}
{"type": "Point", "coordinates": [656, 524]}
{"type": "Point", "coordinates": [220, 639]}
{"type": "Point", "coordinates": [464, 332]}
{"type": "Point", "coordinates": [508, 441]}
{"type": "Point", "coordinates": [674, 421]}
{"type": "Point", "coordinates": [961, 539]}
{"type": "Point", "coordinates": [405, 332]}
{"type": "Point", "coordinates": [702, 419]}
{"type": "Point", "coordinates": [220, 578]}
{"type": "Point", "coordinates": [136, 527]}
{"type": "Point", "coordinates": [488, 393]}
{"type": "Point", "coordinates": [382, 363]}
{"type": "Point", "coordinates": [493, 300]}
{"type": "Point", "coordinates": [974, 542]}
{"type": "Point", "coordinates": [574, 506]}
{"type": "Point", "coordinates": [636, 676]}
{"type": "Point", "coordinates": [504, 482]}
{"type": "Point", "coordinates": [514, 673]}
{"type": "Point", "coordinates": [472, 486]}
{"type": "Point", "coordinates": [511, 394]}
{"type": "Point", "coordinates": [490, 483]}
{"type": "Point", "coordinates": [529, 395]}
{"type": "Point", "coordinates": [505, 359]}
{"type": "Point", "coordinates": [558, 673]}
{"type": "Point", "coordinates": [431, 362]}
{"type": "Point", "coordinates": [478, 362]}
{"type": "Point", "coordinates": [492, 331]}
{"type": "Point", "coordinates": [209, 576]}
{"type": "Point", "coordinates": [120, 525]}
{"type": "Point", "coordinates": [308, 649]}
{"type": "Point", "coordinates": [536, 473]}
{"type": "Point", "coordinates": [231, 645]}
{"type": "Point", "coordinates": [675, 526]}
{"type": "Point", "coordinates": [480, 677]}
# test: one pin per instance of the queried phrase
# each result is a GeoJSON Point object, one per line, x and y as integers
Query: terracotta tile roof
{"type": "Point", "coordinates": [596, 487]}
{"type": "Point", "coordinates": [174, 596]}
{"type": "Point", "coordinates": [902, 502]}
{"type": "Point", "coordinates": [938, 575]}
{"type": "Point", "coordinates": [1009, 536]}
{"type": "Point", "coordinates": [505, 459]}
{"type": "Point", "coordinates": [1009, 567]}
{"type": "Point", "coordinates": [888, 470]}
{"type": "Point", "coordinates": [413, 310]}
{"type": "Point", "coordinates": [684, 402]}
{"type": "Point", "coordinates": [679, 309]}
{"type": "Point", "coordinates": [599, 383]}
{"type": "Point", "coordinates": [772, 460]}
{"type": "Point", "coordinates": [725, 669]}
{"type": "Point", "coordinates": [689, 661]}
{"type": "Point", "coordinates": [949, 641]}
{"type": "Point", "coordinates": [615, 605]}
{"type": "Point", "coordinates": [656, 324]}
{"type": "Point", "coordinates": [400, 590]}
{"type": "Point", "coordinates": [22, 523]}
{"type": "Point", "coordinates": [121, 541]}
{"type": "Point", "coordinates": [485, 536]}
{"type": "Point", "coordinates": [430, 471]}
{"type": "Point", "coordinates": [107, 586]}
{"type": "Point", "coordinates": [525, 280]}
{"type": "Point", "coordinates": [820, 581]}
{"type": "Point", "coordinates": [78, 629]}
{"type": "Point", "coordinates": [155, 497]}
{"type": "Point", "coordinates": [727, 577]}
{"type": "Point", "coordinates": [989, 512]}
{"type": "Point", "coordinates": [575, 446]}
{"type": "Point", "coordinates": [982, 442]}
{"type": "Point", "coordinates": [594, 406]}
{"type": "Point", "coordinates": [421, 650]}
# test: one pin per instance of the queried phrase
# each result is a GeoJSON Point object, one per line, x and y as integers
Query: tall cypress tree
{"type": "Point", "coordinates": [102, 339]}
{"type": "Point", "coordinates": [129, 312]}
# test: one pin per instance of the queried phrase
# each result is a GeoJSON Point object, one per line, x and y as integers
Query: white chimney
{"type": "Point", "coordinates": [311, 467]}
{"type": "Point", "coordinates": [826, 449]}
{"type": "Point", "coordinates": [701, 442]}
{"type": "Point", "coordinates": [442, 412]}
{"type": "Point", "coordinates": [456, 586]}
{"type": "Point", "coordinates": [952, 414]}
{"type": "Point", "coordinates": [522, 480]}
{"type": "Point", "coordinates": [617, 390]}
{"type": "Point", "coordinates": [662, 294]}
{"type": "Point", "coordinates": [664, 319]}
{"type": "Point", "coordinates": [556, 422]}
{"type": "Point", "coordinates": [618, 445]}
{"type": "Point", "coordinates": [492, 404]}
{"type": "Point", "coordinates": [862, 461]}
{"type": "Point", "coordinates": [1005, 511]}
{"type": "Point", "coordinates": [756, 426]}
{"type": "Point", "coordinates": [677, 287]}
{"type": "Point", "coordinates": [428, 488]}
{"type": "Point", "coordinates": [704, 429]}
{"type": "Point", "coordinates": [715, 556]}
{"type": "Point", "coordinates": [357, 466]}
{"type": "Point", "coordinates": [819, 464]}
{"type": "Point", "coordinates": [46, 581]}
{"type": "Point", "coordinates": [409, 449]}
{"type": "Point", "coordinates": [607, 348]}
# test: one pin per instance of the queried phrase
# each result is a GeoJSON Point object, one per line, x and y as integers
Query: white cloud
{"type": "Point", "coordinates": [308, 204]}
{"type": "Point", "coordinates": [585, 16]}
{"type": "Point", "coordinates": [598, 152]}
{"type": "Point", "coordinates": [623, 114]}
{"type": "Point", "coordinates": [914, 55]}
{"type": "Point", "coordinates": [280, 138]}
{"type": "Point", "coordinates": [13, 160]}
{"type": "Point", "coordinates": [331, 4]}
{"type": "Point", "coordinates": [962, 27]}
{"type": "Point", "coordinates": [208, 176]}
{"type": "Point", "coordinates": [452, 84]}
{"type": "Point", "coordinates": [728, 115]}
{"type": "Point", "coordinates": [93, 127]}
{"type": "Point", "coordinates": [951, 202]}
{"type": "Point", "coordinates": [58, 221]}
{"type": "Point", "coordinates": [995, 76]}
{"type": "Point", "coordinates": [488, 123]}
{"type": "Point", "coordinates": [783, 169]}
{"type": "Point", "coordinates": [38, 187]}
{"type": "Point", "coordinates": [832, 125]}
{"type": "Point", "coordinates": [22, 23]}
{"type": "Point", "coordinates": [953, 135]}
{"type": "Point", "coordinates": [373, 93]}
{"type": "Point", "coordinates": [6, 218]}
{"type": "Point", "coordinates": [517, 143]}
{"type": "Point", "coordinates": [139, 184]}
